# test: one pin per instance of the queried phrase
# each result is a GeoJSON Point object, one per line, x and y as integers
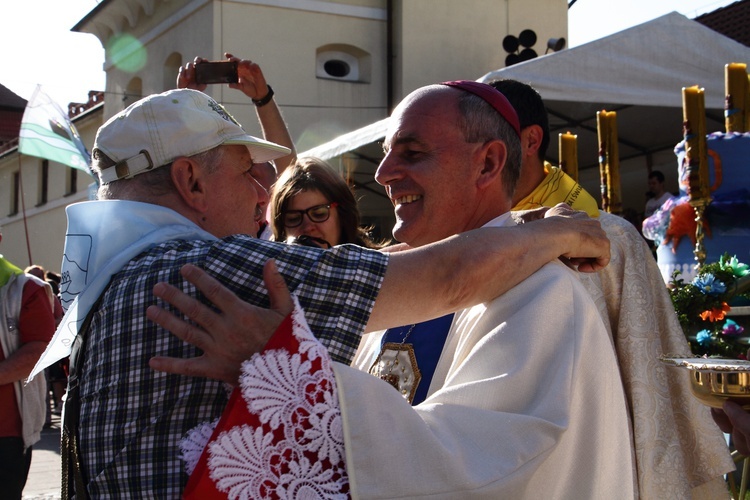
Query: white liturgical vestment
{"type": "Point", "coordinates": [680, 452]}
{"type": "Point", "coordinates": [526, 402]}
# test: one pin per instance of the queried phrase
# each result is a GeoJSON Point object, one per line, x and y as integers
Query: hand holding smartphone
{"type": "Point", "coordinates": [216, 72]}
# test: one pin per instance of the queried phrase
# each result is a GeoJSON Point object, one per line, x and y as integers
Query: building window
{"type": "Point", "coordinates": [133, 92]}
{"type": "Point", "coordinates": [171, 67]}
{"type": "Point", "coordinates": [71, 182]}
{"type": "Point", "coordinates": [342, 62]}
{"type": "Point", "coordinates": [43, 183]}
{"type": "Point", "coordinates": [15, 191]}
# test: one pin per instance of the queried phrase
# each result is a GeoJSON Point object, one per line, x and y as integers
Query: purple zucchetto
{"type": "Point", "coordinates": [491, 96]}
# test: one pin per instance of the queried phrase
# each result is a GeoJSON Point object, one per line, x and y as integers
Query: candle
{"type": "Point", "coordinates": [609, 161]}
{"type": "Point", "coordinates": [736, 91]}
{"type": "Point", "coordinates": [694, 131]}
{"type": "Point", "coordinates": [568, 153]}
{"type": "Point", "coordinates": [601, 127]}
{"type": "Point", "coordinates": [613, 166]}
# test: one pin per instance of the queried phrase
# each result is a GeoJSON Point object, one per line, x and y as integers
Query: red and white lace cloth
{"type": "Point", "coordinates": [280, 435]}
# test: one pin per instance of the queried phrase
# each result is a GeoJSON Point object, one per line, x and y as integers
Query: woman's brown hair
{"type": "Point", "coordinates": [310, 173]}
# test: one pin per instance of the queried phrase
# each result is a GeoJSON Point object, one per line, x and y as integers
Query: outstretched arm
{"type": "Point", "coordinates": [479, 265]}
{"type": "Point", "coordinates": [419, 284]}
{"type": "Point", "coordinates": [253, 84]}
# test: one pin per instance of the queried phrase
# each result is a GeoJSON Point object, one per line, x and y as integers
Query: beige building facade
{"type": "Point", "coordinates": [335, 66]}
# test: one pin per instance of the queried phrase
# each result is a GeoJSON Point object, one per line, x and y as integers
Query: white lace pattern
{"type": "Point", "coordinates": [294, 445]}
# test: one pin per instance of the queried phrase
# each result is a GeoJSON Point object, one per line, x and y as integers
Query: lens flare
{"type": "Point", "coordinates": [127, 53]}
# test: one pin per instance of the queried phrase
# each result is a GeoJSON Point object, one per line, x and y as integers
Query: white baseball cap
{"type": "Point", "coordinates": [157, 129]}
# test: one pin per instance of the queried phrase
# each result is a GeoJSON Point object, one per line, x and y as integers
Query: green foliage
{"type": "Point", "coordinates": [702, 304]}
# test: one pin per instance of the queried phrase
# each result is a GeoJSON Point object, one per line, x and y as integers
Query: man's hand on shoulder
{"type": "Point", "coordinates": [589, 248]}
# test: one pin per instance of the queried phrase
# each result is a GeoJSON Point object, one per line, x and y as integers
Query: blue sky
{"type": "Point", "coordinates": [69, 64]}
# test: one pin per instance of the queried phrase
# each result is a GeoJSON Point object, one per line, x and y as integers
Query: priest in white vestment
{"type": "Point", "coordinates": [526, 399]}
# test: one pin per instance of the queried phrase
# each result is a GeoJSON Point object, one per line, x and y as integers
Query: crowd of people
{"type": "Point", "coordinates": [506, 345]}
{"type": "Point", "coordinates": [27, 322]}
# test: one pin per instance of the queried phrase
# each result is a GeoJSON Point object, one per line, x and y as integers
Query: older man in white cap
{"type": "Point", "coordinates": [178, 188]}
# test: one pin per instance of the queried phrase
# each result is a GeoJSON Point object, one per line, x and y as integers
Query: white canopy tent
{"type": "Point", "coordinates": [645, 65]}
{"type": "Point", "coordinates": [638, 72]}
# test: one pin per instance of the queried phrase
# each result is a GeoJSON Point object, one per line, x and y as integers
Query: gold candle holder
{"type": "Point", "coordinates": [700, 248]}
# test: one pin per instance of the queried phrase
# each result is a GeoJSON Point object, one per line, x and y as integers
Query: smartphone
{"type": "Point", "coordinates": [216, 72]}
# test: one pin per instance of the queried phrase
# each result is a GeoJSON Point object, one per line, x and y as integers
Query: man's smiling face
{"type": "Point", "coordinates": [427, 168]}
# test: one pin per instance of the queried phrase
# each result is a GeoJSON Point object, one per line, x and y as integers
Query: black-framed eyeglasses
{"type": "Point", "coordinates": [318, 213]}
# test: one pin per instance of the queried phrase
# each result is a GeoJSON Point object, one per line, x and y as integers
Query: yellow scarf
{"type": "Point", "coordinates": [558, 187]}
{"type": "Point", "coordinates": [7, 270]}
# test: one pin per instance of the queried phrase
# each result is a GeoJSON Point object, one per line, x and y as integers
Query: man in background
{"type": "Point", "coordinates": [657, 192]}
{"type": "Point", "coordinates": [26, 325]}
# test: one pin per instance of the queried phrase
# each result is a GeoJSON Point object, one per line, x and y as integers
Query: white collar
{"type": "Point", "coordinates": [102, 237]}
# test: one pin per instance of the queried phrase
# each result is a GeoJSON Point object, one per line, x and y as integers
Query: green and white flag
{"type": "Point", "coordinates": [47, 132]}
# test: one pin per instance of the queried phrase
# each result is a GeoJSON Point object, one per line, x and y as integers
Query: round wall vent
{"type": "Point", "coordinates": [337, 68]}
{"type": "Point", "coordinates": [338, 65]}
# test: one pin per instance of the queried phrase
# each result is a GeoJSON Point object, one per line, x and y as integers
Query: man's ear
{"type": "Point", "coordinates": [494, 155]}
{"type": "Point", "coordinates": [531, 140]}
{"type": "Point", "coordinates": [189, 179]}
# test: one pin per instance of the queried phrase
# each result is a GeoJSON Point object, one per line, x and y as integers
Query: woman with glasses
{"type": "Point", "coordinates": [311, 203]}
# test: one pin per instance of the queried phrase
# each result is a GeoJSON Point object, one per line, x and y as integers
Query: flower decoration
{"type": "Point", "coordinates": [709, 285]}
{"type": "Point", "coordinates": [715, 314]}
{"type": "Point", "coordinates": [702, 306]}
{"type": "Point", "coordinates": [738, 269]}
{"type": "Point", "coordinates": [732, 328]}
{"type": "Point", "coordinates": [703, 337]}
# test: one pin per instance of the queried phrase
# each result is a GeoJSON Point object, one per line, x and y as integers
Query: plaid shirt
{"type": "Point", "coordinates": [132, 417]}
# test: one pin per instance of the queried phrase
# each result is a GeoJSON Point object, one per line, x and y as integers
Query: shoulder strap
{"type": "Point", "coordinates": [73, 482]}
